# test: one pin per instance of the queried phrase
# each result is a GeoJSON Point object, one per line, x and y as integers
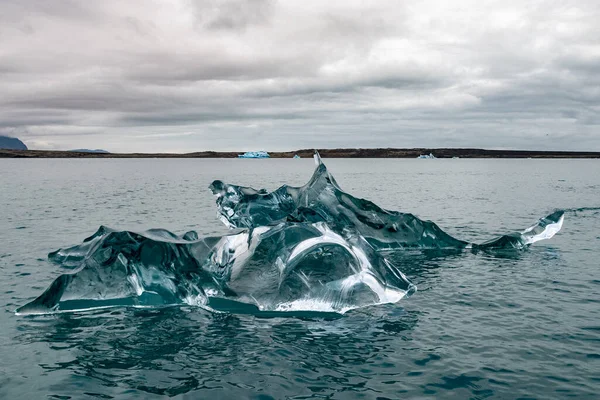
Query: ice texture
{"type": "Point", "coordinates": [322, 200]}
{"type": "Point", "coordinates": [282, 267]}
{"type": "Point", "coordinates": [313, 248]}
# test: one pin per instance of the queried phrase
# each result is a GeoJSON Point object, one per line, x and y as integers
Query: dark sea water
{"type": "Point", "coordinates": [519, 325]}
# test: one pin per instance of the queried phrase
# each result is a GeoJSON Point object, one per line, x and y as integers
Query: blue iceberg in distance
{"type": "Point", "coordinates": [313, 248]}
{"type": "Point", "coordinates": [254, 154]}
{"type": "Point", "coordinates": [427, 156]}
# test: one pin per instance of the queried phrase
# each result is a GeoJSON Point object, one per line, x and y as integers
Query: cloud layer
{"type": "Point", "coordinates": [191, 75]}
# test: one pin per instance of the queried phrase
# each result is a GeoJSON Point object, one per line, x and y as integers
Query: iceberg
{"type": "Point", "coordinates": [427, 156]}
{"type": "Point", "coordinates": [254, 154]}
{"type": "Point", "coordinates": [322, 200]}
{"type": "Point", "coordinates": [280, 268]}
{"type": "Point", "coordinates": [313, 248]}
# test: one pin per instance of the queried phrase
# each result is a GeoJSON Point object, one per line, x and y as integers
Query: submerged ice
{"type": "Point", "coordinates": [309, 248]}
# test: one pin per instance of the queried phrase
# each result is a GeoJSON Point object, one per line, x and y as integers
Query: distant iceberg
{"type": "Point", "coordinates": [254, 154]}
{"type": "Point", "coordinates": [428, 156]}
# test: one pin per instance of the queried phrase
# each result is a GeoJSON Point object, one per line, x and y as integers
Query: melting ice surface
{"type": "Point", "coordinates": [310, 248]}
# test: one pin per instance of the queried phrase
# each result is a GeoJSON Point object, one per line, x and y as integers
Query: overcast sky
{"type": "Point", "coordinates": [188, 75]}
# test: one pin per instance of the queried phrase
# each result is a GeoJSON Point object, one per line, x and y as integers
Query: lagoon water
{"type": "Point", "coordinates": [521, 325]}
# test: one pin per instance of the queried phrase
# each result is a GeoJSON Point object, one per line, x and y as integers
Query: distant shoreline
{"type": "Point", "coordinates": [325, 153]}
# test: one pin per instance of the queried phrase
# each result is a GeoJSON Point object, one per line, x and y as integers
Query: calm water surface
{"type": "Point", "coordinates": [523, 325]}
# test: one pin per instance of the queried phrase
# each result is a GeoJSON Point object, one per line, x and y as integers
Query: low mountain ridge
{"type": "Point", "coordinates": [90, 151]}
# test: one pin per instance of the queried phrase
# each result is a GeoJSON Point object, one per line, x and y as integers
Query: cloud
{"type": "Point", "coordinates": [231, 14]}
{"type": "Point", "coordinates": [191, 75]}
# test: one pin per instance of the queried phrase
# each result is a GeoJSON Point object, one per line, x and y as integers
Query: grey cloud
{"type": "Point", "coordinates": [58, 9]}
{"type": "Point", "coordinates": [164, 68]}
{"type": "Point", "coordinates": [21, 122]}
{"type": "Point", "coordinates": [191, 75]}
{"type": "Point", "coordinates": [231, 14]}
{"type": "Point", "coordinates": [177, 118]}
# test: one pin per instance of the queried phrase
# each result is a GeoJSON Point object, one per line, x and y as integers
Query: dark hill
{"type": "Point", "coordinates": [11, 143]}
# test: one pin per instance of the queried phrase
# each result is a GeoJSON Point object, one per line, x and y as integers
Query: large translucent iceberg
{"type": "Point", "coordinates": [282, 267]}
{"type": "Point", "coordinates": [322, 200]}
{"type": "Point", "coordinates": [309, 248]}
